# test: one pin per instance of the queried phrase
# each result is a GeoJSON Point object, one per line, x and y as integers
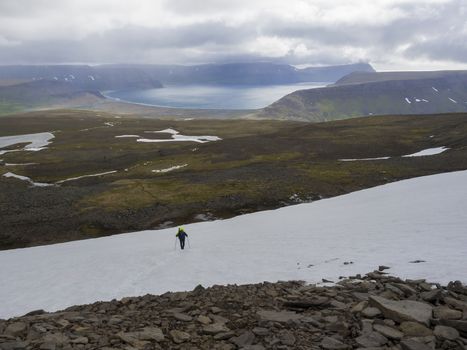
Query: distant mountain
{"type": "Point", "coordinates": [118, 77]}
{"type": "Point", "coordinates": [83, 77]}
{"type": "Point", "coordinates": [262, 73]}
{"type": "Point", "coordinates": [441, 93]}
{"type": "Point", "coordinates": [371, 77]}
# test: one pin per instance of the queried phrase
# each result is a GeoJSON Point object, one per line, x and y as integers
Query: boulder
{"type": "Point", "coordinates": [432, 296]}
{"type": "Point", "coordinates": [445, 332]}
{"type": "Point", "coordinates": [15, 329]}
{"type": "Point", "coordinates": [215, 328]}
{"type": "Point", "coordinates": [371, 312]}
{"type": "Point", "coordinates": [371, 340]}
{"type": "Point", "coordinates": [460, 325]}
{"type": "Point", "coordinates": [246, 338]}
{"type": "Point", "coordinates": [203, 319]}
{"type": "Point", "coordinates": [179, 336]}
{"type": "Point", "coordinates": [446, 313]}
{"type": "Point", "coordinates": [404, 310]}
{"type": "Point", "coordinates": [456, 304]}
{"type": "Point", "coordinates": [410, 344]}
{"type": "Point", "coordinates": [329, 343]}
{"type": "Point", "coordinates": [415, 329]}
{"type": "Point", "coordinates": [278, 316]}
{"type": "Point", "coordinates": [388, 332]}
{"type": "Point", "coordinates": [182, 317]}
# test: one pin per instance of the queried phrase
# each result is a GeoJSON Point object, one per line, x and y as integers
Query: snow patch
{"type": "Point", "coordinates": [91, 77]}
{"type": "Point", "coordinates": [122, 136]}
{"type": "Point", "coordinates": [407, 100]}
{"type": "Point", "coordinates": [428, 152]}
{"type": "Point", "coordinates": [25, 178]}
{"type": "Point", "coordinates": [356, 159]}
{"type": "Point", "coordinates": [422, 218]}
{"type": "Point", "coordinates": [83, 176]}
{"type": "Point", "coordinates": [166, 170]}
{"type": "Point", "coordinates": [435, 89]}
{"type": "Point", "coordinates": [36, 142]}
{"type": "Point", "coordinates": [452, 100]}
{"type": "Point", "coordinates": [177, 137]}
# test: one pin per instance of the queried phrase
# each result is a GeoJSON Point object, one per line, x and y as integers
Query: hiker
{"type": "Point", "coordinates": [181, 236]}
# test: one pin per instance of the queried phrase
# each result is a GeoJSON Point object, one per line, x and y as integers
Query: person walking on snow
{"type": "Point", "coordinates": [181, 234]}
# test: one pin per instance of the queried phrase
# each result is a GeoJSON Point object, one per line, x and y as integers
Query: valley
{"type": "Point", "coordinates": [106, 173]}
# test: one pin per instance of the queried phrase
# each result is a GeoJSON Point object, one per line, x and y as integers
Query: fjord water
{"type": "Point", "coordinates": [211, 96]}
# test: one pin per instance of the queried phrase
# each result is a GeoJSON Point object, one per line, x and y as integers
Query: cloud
{"type": "Point", "coordinates": [389, 33]}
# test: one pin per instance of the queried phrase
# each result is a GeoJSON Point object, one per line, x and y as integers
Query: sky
{"type": "Point", "coordinates": [389, 34]}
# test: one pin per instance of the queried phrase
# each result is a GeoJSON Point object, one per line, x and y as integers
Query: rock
{"type": "Point", "coordinates": [183, 317]}
{"type": "Point", "coordinates": [287, 338]}
{"type": "Point", "coordinates": [404, 310]}
{"type": "Point", "coordinates": [35, 313]}
{"type": "Point", "coordinates": [415, 329]}
{"type": "Point", "coordinates": [359, 307]}
{"type": "Point", "coordinates": [456, 304]}
{"type": "Point", "coordinates": [224, 335]}
{"type": "Point", "coordinates": [151, 333]}
{"type": "Point", "coordinates": [461, 326]}
{"type": "Point", "coordinates": [48, 346]}
{"type": "Point", "coordinates": [410, 344]}
{"type": "Point", "coordinates": [457, 287]}
{"type": "Point", "coordinates": [394, 289]}
{"type": "Point", "coordinates": [55, 338]}
{"type": "Point", "coordinates": [14, 345]}
{"type": "Point", "coordinates": [371, 339]}
{"type": "Point", "coordinates": [278, 316]}
{"type": "Point", "coordinates": [446, 313]}
{"type": "Point", "coordinates": [215, 328]}
{"type": "Point", "coordinates": [329, 343]}
{"type": "Point", "coordinates": [215, 310]}
{"type": "Point", "coordinates": [253, 347]}
{"type": "Point", "coordinates": [445, 332]}
{"type": "Point", "coordinates": [139, 338]}
{"type": "Point", "coordinates": [203, 319]}
{"type": "Point", "coordinates": [408, 290]}
{"type": "Point", "coordinates": [179, 336]}
{"type": "Point", "coordinates": [80, 340]}
{"type": "Point", "coordinates": [15, 329]}
{"type": "Point", "coordinates": [382, 268]}
{"type": "Point", "coordinates": [246, 338]}
{"type": "Point", "coordinates": [432, 296]}
{"type": "Point", "coordinates": [371, 312]}
{"type": "Point", "coordinates": [388, 332]}
{"type": "Point", "coordinates": [260, 331]}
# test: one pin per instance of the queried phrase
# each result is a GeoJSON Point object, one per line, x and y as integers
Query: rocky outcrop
{"type": "Point", "coordinates": [375, 311]}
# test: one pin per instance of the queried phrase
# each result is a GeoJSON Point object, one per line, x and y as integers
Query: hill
{"type": "Point", "coordinates": [371, 77]}
{"type": "Point", "coordinates": [44, 94]}
{"type": "Point", "coordinates": [442, 93]}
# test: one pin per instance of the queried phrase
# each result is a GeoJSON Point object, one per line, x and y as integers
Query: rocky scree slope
{"type": "Point", "coordinates": [375, 311]}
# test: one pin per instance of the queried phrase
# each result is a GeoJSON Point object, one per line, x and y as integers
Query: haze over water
{"type": "Point", "coordinates": [210, 96]}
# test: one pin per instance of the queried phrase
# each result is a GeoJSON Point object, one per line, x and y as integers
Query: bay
{"type": "Point", "coordinates": [210, 96]}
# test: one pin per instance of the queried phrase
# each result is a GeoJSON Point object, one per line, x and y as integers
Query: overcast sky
{"type": "Point", "coordinates": [389, 34]}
